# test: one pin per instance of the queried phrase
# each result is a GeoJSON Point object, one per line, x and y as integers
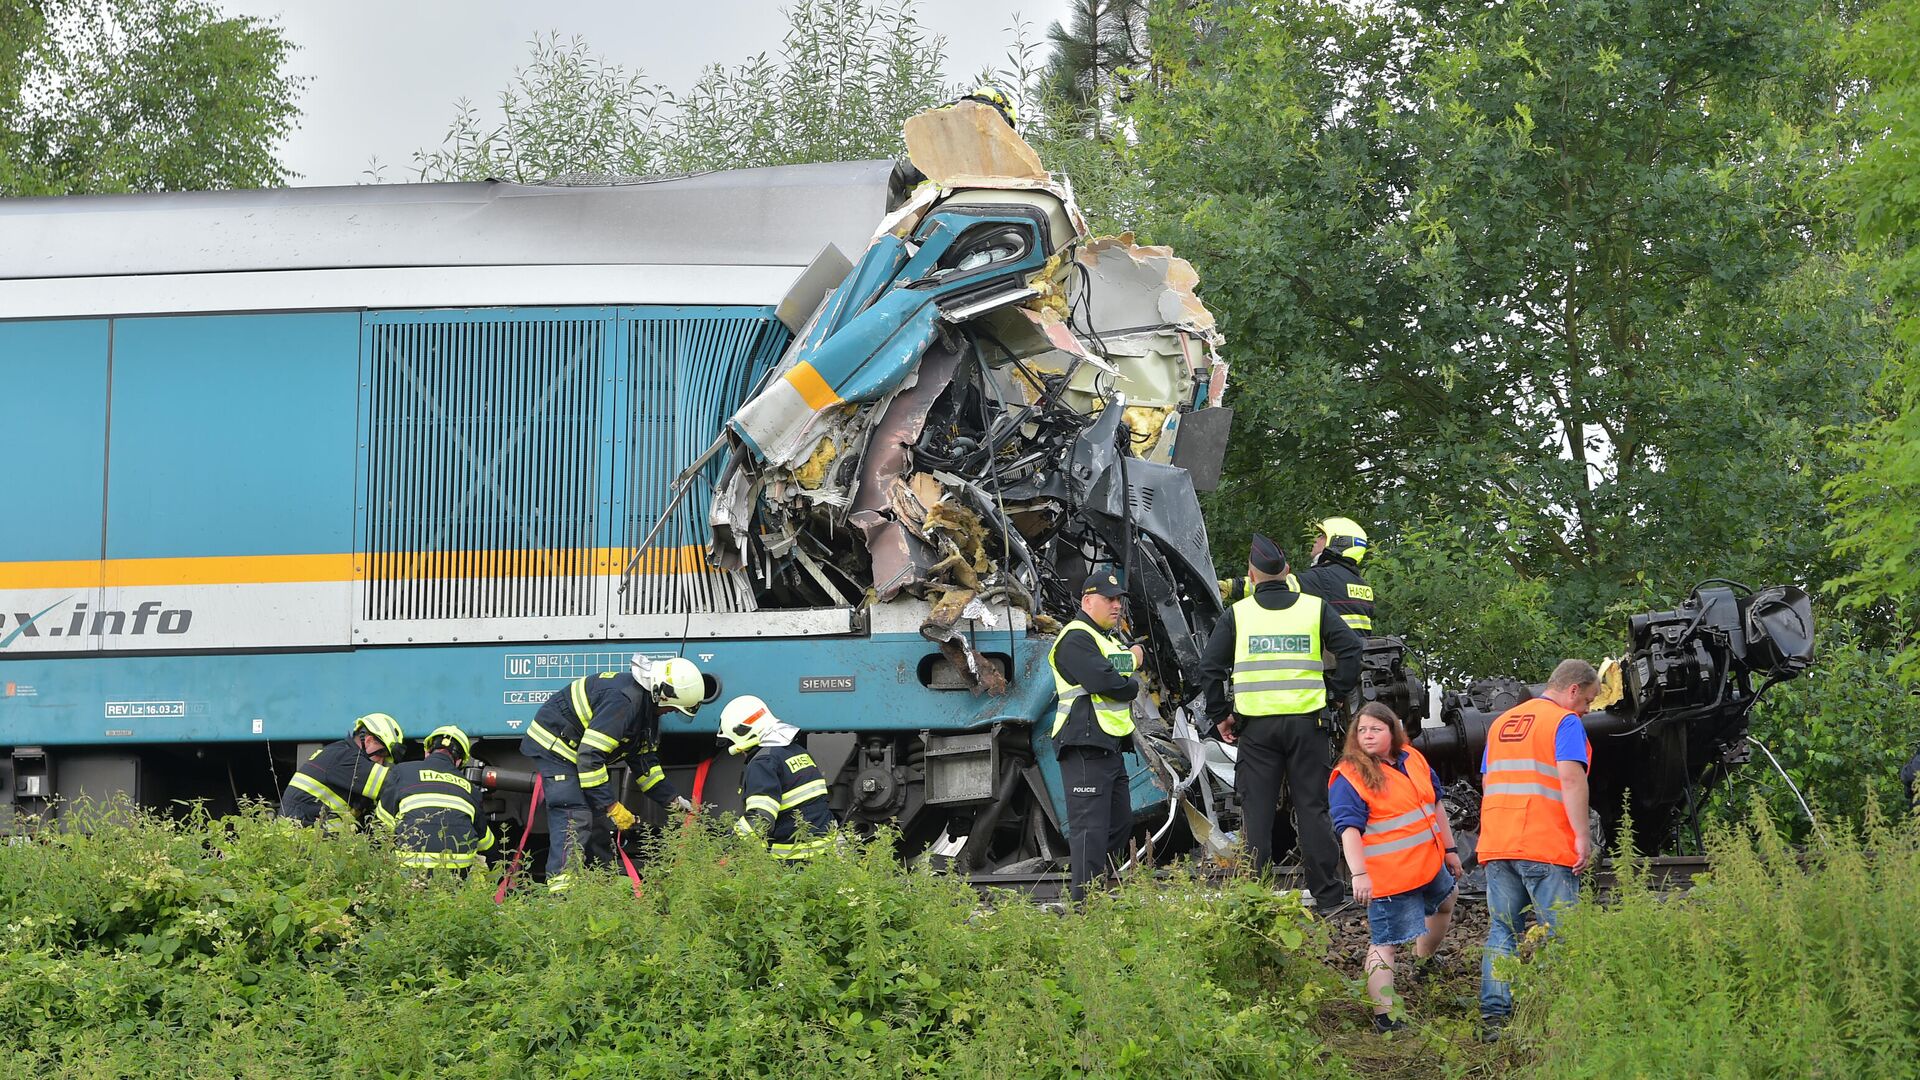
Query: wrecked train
{"type": "Point", "coordinates": [304, 454]}
{"type": "Point", "coordinates": [436, 450]}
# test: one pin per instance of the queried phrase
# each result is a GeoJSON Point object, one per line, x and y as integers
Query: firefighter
{"type": "Point", "coordinates": [1399, 847]}
{"type": "Point", "coordinates": [433, 810]}
{"type": "Point", "coordinates": [1534, 835]}
{"type": "Point", "coordinates": [786, 793]}
{"type": "Point", "coordinates": [1338, 548]}
{"type": "Point", "coordinates": [1092, 725]}
{"type": "Point", "coordinates": [1270, 651]}
{"type": "Point", "coordinates": [340, 782]}
{"type": "Point", "coordinates": [596, 721]}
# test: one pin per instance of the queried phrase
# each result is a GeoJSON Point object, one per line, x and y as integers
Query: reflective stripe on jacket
{"type": "Point", "coordinates": [1402, 838]}
{"type": "Point", "coordinates": [1114, 717]}
{"type": "Point", "coordinates": [434, 811]}
{"type": "Point", "coordinates": [1523, 814]}
{"type": "Point", "coordinates": [337, 781]}
{"type": "Point", "coordinates": [599, 720]}
{"type": "Point", "coordinates": [1278, 668]}
{"type": "Point", "coordinates": [786, 798]}
{"type": "Point", "coordinates": [1338, 582]}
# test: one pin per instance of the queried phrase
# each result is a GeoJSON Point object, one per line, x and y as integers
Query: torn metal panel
{"type": "Point", "coordinates": [900, 558]}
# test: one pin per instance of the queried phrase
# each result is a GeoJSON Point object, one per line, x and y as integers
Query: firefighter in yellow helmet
{"type": "Point", "coordinates": [987, 94]}
{"type": "Point", "coordinates": [434, 810]}
{"type": "Point", "coordinates": [341, 782]}
{"type": "Point", "coordinates": [1339, 546]}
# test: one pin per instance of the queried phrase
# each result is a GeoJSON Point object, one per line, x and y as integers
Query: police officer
{"type": "Point", "coordinates": [596, 721]}
{"type": "Point", "coordinates": [434, 811]}
{"type": "Point", "coordinates": [341, 781]}
{"type": "Point", "coordinates": [1335, 573]}
{"type": "Point", "coordinates": [786, 793]}
{"type": "Point", "coordinates": [1270, 650]}
{"type": "Point", "coordinates": [1092, 724]}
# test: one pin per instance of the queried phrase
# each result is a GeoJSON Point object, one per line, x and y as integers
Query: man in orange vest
{"type": "Point", "coordinates": [1534, 836]}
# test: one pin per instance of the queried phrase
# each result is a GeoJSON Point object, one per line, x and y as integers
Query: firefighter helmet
{"type": "Point", "coordinates": [678, 684]}
{"type": "Point", "coordinates": [383, 728]}
{"type": "Point", "coordinates": [744, 722]}
{"type": "Point", "coordinates": [1345, 538]}
{"type": "Point", "coordinates": [988, 94]}
{"type": "Point", "coordinates": [451, 737]}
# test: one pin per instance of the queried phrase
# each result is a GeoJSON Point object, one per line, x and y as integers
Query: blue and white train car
{"type": "Point", "coordinates": [285, 457]}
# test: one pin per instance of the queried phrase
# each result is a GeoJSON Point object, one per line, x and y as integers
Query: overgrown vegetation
{"type": "Point", "coordinates": [1771, 968]}
{"type": "Point", "coordinates": [248, 947]}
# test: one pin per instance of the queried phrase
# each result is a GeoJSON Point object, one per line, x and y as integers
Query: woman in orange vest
{"type": "Point", "coordinates": [1399, 845]}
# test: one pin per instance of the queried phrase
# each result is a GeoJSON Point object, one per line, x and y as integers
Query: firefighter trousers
{"type": "Point", "coordinates": [576, 835]}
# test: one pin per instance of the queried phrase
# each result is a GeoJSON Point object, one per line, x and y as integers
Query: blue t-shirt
{"type": "Point", "coordinates": [1569, 743]}
{"type": "Point", "coordinates": [1349, 808]}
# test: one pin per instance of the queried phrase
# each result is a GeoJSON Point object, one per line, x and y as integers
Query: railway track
{"type": "Point", "coordinates": [1666, 873]}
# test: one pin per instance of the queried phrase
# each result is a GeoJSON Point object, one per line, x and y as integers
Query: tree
{"type": "Point", "coordinates": [139, 95]}
{"type": "Point", "coordinates": [1091, 55]}
{"type": "Point", "coordinates": [1548, 280]}
{"type": "Point", "coordinates": [847, 76]}
{"type": "Point", "coordinates": [1878, 506]}
{"type": "Point", "coordinates": [569, 112]}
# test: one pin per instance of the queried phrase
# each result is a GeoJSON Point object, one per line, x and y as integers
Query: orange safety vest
{"type": "Point", "coordinates": [1522, 813]}
{"type": "Point", "coordinates": [1402, 839]}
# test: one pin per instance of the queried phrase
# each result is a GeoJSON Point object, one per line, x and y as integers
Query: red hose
{"type": "Point", "coordinates": [513, 868]}
{"type": "Point", "coordinates": [700, 781]}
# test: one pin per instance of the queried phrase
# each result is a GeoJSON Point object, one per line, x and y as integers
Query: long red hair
{"type": "Point", "coordinates": [1364, 763]}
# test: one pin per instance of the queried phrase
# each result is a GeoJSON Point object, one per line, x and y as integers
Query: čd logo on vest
{"type": "Point", "coordinates": [1284, 643]}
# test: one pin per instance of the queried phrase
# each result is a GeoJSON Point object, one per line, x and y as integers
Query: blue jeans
{"type": "Point", "coordinates": [1517, 888]}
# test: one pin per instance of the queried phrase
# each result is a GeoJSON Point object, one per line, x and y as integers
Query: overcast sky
{"type": "Point", "coordinates": [383, 76]}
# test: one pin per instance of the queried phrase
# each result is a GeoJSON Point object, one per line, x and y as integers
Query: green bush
{"type": "Point", "coordinates": [1842, 731]}
{"type": "Point", "coordinates": [247, 947]}
{"type": "Point", "coordinates": [1774, 966]}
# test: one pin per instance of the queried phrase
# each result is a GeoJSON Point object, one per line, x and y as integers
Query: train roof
{"type": "Point", "coordinates": [719, 237]}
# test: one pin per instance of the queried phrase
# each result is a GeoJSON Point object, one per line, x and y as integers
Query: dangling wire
{"type": "Point", "coordinates": [1791, 786]}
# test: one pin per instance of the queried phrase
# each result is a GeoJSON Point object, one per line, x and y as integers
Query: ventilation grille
{"type": "Point", "coordinates": [686, 377]}
{"type": "Point", "coordinates": [483, 468]}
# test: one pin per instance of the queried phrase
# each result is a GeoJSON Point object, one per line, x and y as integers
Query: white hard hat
{"type": "Point", "coordinates": [743, 722]}
{"type": "Point", "coordinates": [677, 684]}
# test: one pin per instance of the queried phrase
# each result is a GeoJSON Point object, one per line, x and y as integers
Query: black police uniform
{"type": "Point", "coordinates": [337, 782]}
{"type": "Point", "coordinates": [1290, 749]}
{"type": "Point", "coordinates": [596, 721]}
{"type": "Point", "coordinates": [435, 814]}
{"type": "Point", "coordinates": [1099, 801]}
{"type": "Point", "coordinates": [784, 789]}
{"type": "Point", "coordinates": [1337, 580]}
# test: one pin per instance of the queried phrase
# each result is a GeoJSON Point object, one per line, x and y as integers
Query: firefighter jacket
{"type": "Point", "coordinates": [596, 721]}
{"type": "Point", "coordinates": [435, 814]}
{"type": "Point", "coordinates": [337, 782]}
{"type": "Point", "coordinates": [1340, 649]}
{"type": "Point", "coordinates": [1093, 676]}
{"type": "Point", "coordinates": [1523, 814]}
{"type": "Point", "coordinates": [1338, 582]}
{"type": "Point", "coordinates": [784, 789]}
{"type": "Point", "coordinates": [1402, 837]}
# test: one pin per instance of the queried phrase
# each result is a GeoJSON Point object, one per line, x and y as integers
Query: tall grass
{"type": "Point", "coordinates": [1783, 963]}
{"type": "Point", "coordinates": [247, 947]}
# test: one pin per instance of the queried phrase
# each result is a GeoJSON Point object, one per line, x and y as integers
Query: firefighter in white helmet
{"type": "Point", "coordinates": [786, 793]}
{"type": "Point", "coordinates": [596, 721]}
